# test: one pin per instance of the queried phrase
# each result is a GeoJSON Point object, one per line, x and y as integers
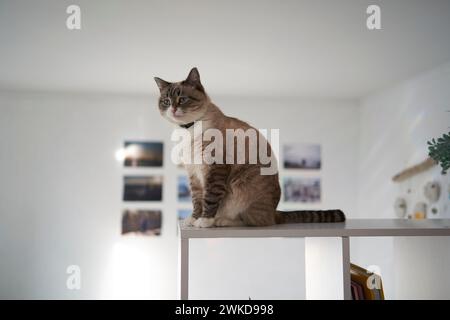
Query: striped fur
{"type": "Point", "coordinates": [215, 189]}
{"type": "Point", "coordinates": [197, 197]}
{"type": "Point", "coordinates": [310, 216]}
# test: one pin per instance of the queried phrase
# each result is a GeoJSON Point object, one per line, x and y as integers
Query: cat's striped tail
{"type": "Point", "coordinates": [310, 216]}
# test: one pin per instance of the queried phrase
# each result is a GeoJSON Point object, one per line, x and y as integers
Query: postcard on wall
{"type": "Point", "coordinates": [184, 193]}
{"type": "Point", "coordinates": [183, 213]}
{"type": "Point", "coordinates": [300, 189]}
{"type": "Point", "coordinates": [146, 222]}
{"type": "Point", "coordinates": [142, 188]}
{"type": "Point", "coordinates": [143, 154]}
{"type": "Point", "coordinates": [302, 156]}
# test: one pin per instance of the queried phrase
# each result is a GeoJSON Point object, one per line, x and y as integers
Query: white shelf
{"type": "Point", "coordinates": [345, 230]}
{"type": "Point", "coordinates": [350, 228]}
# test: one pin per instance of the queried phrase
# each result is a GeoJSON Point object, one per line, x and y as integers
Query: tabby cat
{"type": "Point", "coordinates": [226, 195]}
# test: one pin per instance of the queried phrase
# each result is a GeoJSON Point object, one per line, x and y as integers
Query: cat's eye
{"type": "Point", "coordinates": [182, 100]}
{"type": "Point", "coordinates": [166, 102]}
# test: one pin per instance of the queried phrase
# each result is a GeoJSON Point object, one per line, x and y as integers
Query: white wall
{"type": "Point", "coordinates": [60, 194]}
{"type": "Point", "coordinates": [395, 126]}
{"type": "Point", "coordinates": [60, 199]}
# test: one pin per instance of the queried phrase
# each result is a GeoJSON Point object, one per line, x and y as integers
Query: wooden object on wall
{"type": "Point", "coordinates": [412, 171]}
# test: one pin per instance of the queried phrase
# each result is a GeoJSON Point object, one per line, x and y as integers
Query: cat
{"type": "Point", "coordinates": [226, 195]}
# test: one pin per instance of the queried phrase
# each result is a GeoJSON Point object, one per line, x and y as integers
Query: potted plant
{"type": "Point", "coordinates": [439, 150]}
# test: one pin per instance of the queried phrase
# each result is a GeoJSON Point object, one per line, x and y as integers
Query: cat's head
{"type": "Point", "coordinates": [182, 102]}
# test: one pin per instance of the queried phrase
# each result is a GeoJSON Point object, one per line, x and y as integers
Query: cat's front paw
{"type": "Point", "coordinates": [189, 221]}
{"type": "Point", "coordinates": [204, 223]}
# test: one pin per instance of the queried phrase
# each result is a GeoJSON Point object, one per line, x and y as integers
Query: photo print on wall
{"type": "Point", "coordinates": [184, 193]}
{"type": "Point", "coordinates": [302, 156]}
{"type": "Point", "coordinates": [143, 154]}
{"type": "Point", "coordinates": [146, 222]}
{"type": "Point", "coordinates": [300, 189]}
{"type": "Point", "coordinates": [183, 213]}
{"type": "Point", "coordinates": [142, 188]}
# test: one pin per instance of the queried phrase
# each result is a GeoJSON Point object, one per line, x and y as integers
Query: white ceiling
{"type": "Point", "coordinates": [295, 48]}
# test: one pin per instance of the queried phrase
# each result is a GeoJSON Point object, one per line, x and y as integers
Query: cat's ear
{"type": "Point", "coordinates": [194, 79]}
{"type": "Point", "coordinates": [161, 83]}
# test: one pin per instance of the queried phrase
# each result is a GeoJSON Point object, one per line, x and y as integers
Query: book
{"type": "Point", "coordinates": [354, 292]}
{"type": "Point", "coordinates": [369, 282]}
{"type": "Point", "coordinates": [359, 291]}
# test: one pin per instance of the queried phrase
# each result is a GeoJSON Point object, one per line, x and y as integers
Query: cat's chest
{"type": "Point", "coordinates": [194, 163]}
{"type": "Point", "coordinates": [191, 147]}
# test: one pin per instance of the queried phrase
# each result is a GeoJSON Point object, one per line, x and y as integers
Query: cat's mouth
{"type": "Point", "coordinates": [180, 116]}
{"type": "Point", "coordinates": [176, 114]}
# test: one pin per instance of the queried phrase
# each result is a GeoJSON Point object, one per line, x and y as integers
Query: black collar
{"type": "Point", "coordinates": [187, 125]}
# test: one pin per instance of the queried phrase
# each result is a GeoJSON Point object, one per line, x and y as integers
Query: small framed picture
{"type": "Point", "coordinates": [300, 189]}
{"type": "Point", "coordinates": [147, 222]}
{"type": "Point", "coordinates": [184, 213]}
{"type": "Point", "coordinates": [143, 154]}
{"type": "Point", "coordinates": [302, 156]}
{"type": "Point", "coordinates": [142, 188]}
{"type": "Point", "coordinates": [184, 192]}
